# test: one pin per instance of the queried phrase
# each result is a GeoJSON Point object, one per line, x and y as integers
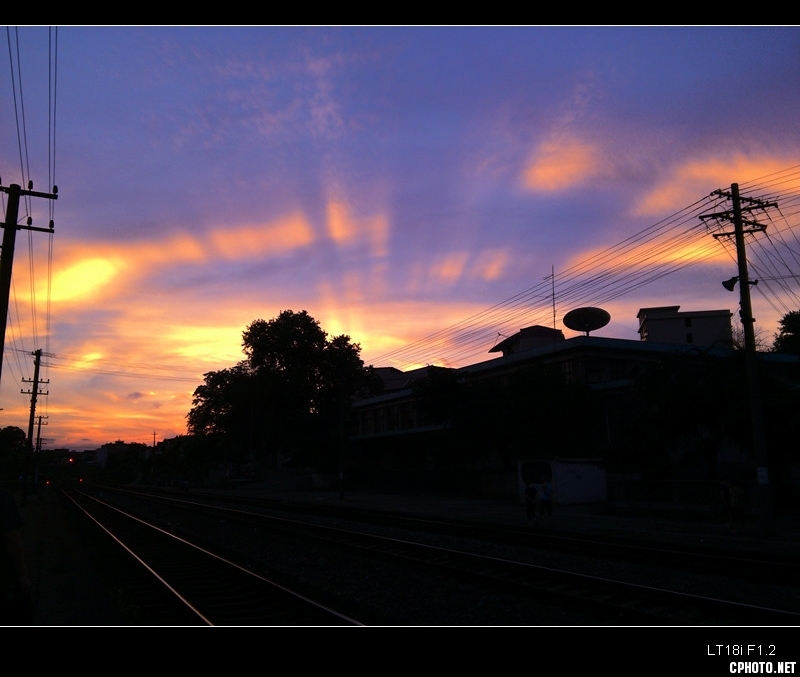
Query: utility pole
{"type": "Point", "coordinates": [735, 215]}
{"type": "Point", "coordinates": [553, 280]}
{"type": "Point", "coordinates": [11, 227]}
{"type": "Point", "coordinates": [34, 392]}
{"type": "Point", "coordinates": [37, 450]}
{"type": "Point", "coordinates": [39, 433]}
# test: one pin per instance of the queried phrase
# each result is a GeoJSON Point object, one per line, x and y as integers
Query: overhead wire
{"type": "Point", "coordinates": [128, 369]}
{"type": "Point", "coordinates": [16, 351]}
{"type": "Point", "coordinates": [52, 89]}
{"type": "Point", "coordinates": [769, 256]}
{"type": "Point", "coordinates": [19, 369]}
{"type": "Point", "coordinates": [571, 284]}
{"type": "Point", "coordinates": [673, 244]}
{"type": "Point", "coordinates": [16, 85]}
{"type": "Point", "coordinates": [670, 245]}
{"type": "Point", "coordinates": [14, 97]}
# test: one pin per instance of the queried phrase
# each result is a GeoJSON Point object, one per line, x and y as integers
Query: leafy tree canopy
{"type": "Point", "coordinates": [787, 340]}
{"type": "Point", "coordinates": [13, 438]}
{"type": "Point", "coordinates": [290, 344]}
{"type": "Point", "coordinates": [218, 401]}
{"type": "Point", "coordinates": [13, 447]}
{"type": "Point", "coordinates": [293, 389]}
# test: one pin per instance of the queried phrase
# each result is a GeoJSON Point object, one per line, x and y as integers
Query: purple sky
{"type": "Point", "coordinates": [411, 187]}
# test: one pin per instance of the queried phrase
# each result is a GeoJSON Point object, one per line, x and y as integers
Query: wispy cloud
{"type": "Point", "coordinates": [391, 181]}
{"type": "Point", "coordinates": [560, 164]}
{"type": "Point", "coordinates": [695, 178]}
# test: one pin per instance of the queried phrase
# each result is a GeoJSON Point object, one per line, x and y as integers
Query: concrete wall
{"type": "Point", "coordinates": [574, 481]}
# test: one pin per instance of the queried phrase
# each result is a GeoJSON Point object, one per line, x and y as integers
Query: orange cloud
{"type": "Point", "coordinates": [450, 268]}
{"type": "Point", "coordinates": [344, 229]}
{"type": "Point", "coordinates": [559, 164]}
{"type": "Point", "coordinates": [696, 179]}
{"type": "Point", "coordinates": [491, 264]}
{"type": "Point", "coordinates": [82, 275]}
{"type": "Point", "coordinates": [88, 360]}
{"type": "Point", "coordinates": [202, 344]}
{"type": "Point", "coordinates": [290, 233]}
{"type": "Point", "coordinates": [340, 226]}
{"type": "Point", "coordinates": [650, 253]}
{"type": "Point", "coordinates": [378, 230]}
{"type": "Point", "coordinates": [377, 329]}
{"type": "Point", "coordinates": [85, 278]}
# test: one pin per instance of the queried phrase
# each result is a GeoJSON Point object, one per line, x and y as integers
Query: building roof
{"type": "Point", "coordinates": [394, 379]}
{"type": "Point", "coordinates": [534, 336]}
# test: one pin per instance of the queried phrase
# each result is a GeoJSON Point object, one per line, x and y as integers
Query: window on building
{"type": "Point", "coordinates": [618, 369]}
{"type": "Point", "coordinates": [406, 416]}
{"type": "Point", "coordinates": [380, 420]}
{"type": "Point", "coordinates": [392, 418]}
{"type": "Point", "coordinates": [596, 370]}
{"type": "Point", "coordinates": [364, 422]}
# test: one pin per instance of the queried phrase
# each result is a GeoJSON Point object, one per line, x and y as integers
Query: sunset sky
{"type": "Point", "coordinates": [427, 191]}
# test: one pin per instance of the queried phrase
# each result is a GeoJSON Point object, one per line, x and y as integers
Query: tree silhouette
{"type": "Point", "coordinates": [13, 449]}
{"type": "Point", "coordinates": [292, 394]}
{"type": "Point", "coordinates": [787, 340]}
{"type": "Point", "coordinates": [218, 403]}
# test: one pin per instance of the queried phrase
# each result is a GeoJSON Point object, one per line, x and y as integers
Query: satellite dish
{"type": "Point", "coordinates": [586, 319]}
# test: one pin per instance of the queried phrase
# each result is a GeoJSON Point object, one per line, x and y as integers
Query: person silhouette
{"type": "Point", "coordinates": [531, 503]}
{"type": "Point", "coordinates": [546, 502]}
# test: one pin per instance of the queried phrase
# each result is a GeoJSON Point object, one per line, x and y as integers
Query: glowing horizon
{"type": "Point", "coordinates": [393, 182]}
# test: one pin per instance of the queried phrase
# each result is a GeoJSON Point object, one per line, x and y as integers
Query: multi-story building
{"type": "Point", "coordinates": [666, 324]}
{"type": "Point", "coordinates": [673, 402]}
{"type": "Point", "coordinates": [601, 363]}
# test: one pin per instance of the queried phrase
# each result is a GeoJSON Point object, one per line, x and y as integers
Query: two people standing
{"type": "Point", "coordinates": [538, 501]}
{"type": "Point", "coordinates": [733, 503]}
{"type": "Point", "coordinates": [531, 503]}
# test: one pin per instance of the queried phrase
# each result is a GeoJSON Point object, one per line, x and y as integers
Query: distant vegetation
{"type": "Point", "coordinates": [290, 398]}
{"type": "Point", "coordinates": [787, 340]}
{"type": "Point", "coordinates": [13, 454]}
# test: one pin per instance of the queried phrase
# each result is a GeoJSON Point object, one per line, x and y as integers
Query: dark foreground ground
{"type": "Point", "coordinates": [72, 588]}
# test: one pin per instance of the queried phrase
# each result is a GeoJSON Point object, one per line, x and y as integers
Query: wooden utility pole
{"type": "Point", "coordinates": [10, 228]}
{"type": "Point", "coordinates": [34, 394]}
{"type": "Point", "coordinates": [37, 450]}
{"type": "Point", "coordinates": [735, 215]}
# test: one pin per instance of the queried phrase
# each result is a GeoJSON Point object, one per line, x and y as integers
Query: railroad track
{"type": "Point", "coordinates": [754, 567]}
{"type": "Point", "coordinates": [172, 581]}
{"type": "Point", "coordinates": [600, 599]}
{"type": "Point", "coordinates": [700, 558]}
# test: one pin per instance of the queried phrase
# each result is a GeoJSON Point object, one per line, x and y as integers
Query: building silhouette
{"type": "Point", "coordinates": [667, 408]}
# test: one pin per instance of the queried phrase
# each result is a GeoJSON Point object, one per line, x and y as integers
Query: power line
{"type": "Point", "coordinates": [12, 224]}
{"type": "Point", "coordinates": [148, 370]}
{"type": "Point", "coordinates": [151, 376]}
{"type": "Point", "coordinates": [674, 244]}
